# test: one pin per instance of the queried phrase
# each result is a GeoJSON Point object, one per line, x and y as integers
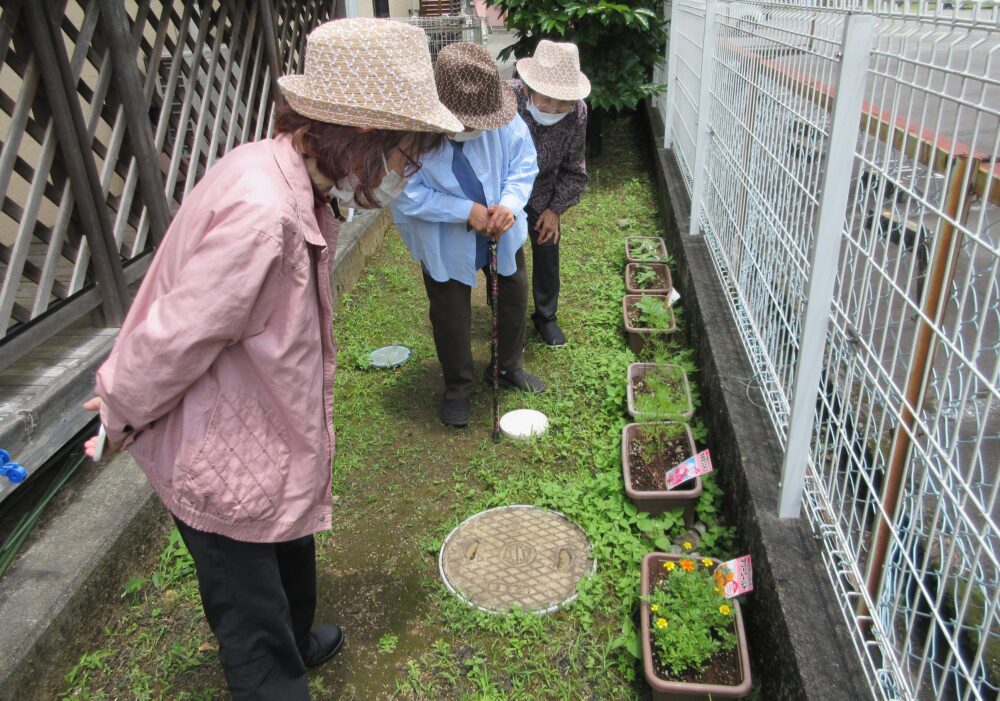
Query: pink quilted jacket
{"type": "Point", "coordinates": [220, 383]}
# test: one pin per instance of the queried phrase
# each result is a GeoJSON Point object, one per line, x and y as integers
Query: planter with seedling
{"type": "Point", "coordinates": [651, 278]}
{"type": "Point", "coordinates": [647, 317]}
{"type": "Point", "coordinates": [645, 249]}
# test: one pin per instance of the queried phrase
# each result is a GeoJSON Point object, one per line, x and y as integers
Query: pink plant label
{"type": "Point", "coordinates": [689, 469]}
{"type": "Point", "coordinates": [735, 576]}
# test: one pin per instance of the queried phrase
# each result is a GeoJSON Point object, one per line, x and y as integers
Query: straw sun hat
{"type": "Point", "coordinates": [470, 85]}
{"type": "Point", "coordinates": [554, 71]}
{"type": "Point", "coordinates": [373, 73]}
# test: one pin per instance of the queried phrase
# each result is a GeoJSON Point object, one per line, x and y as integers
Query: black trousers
{"type": "Point", "coordinates": [451, 318]}
{"type": "Point", "coordinates": [544, 273]}
{"type": "Point", "coordinates": [259, 599]}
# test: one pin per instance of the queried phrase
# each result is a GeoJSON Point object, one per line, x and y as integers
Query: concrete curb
{"type": "Point", "coordinates": [798, 639]}
{"type": "Point", "coordinates": [54, 595]}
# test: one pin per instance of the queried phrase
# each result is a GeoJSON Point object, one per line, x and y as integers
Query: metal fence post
{"type": "Point", "coordinates": [855, 51]}
{"type": "Point", "coordinates": [668, 118]}
{"type": "Point", "coordinates": [704, 104]}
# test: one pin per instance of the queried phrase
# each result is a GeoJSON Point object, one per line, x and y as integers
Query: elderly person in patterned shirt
{"type": "Point", "coordinates": [471, 189]}
{"type": "Point", "coordinates": [550, 100]}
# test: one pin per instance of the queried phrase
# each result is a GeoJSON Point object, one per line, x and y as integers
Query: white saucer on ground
{"type": "Point", "coordinates": [389, 357]}
{"type": "Point", "coordinates": [524, 423]}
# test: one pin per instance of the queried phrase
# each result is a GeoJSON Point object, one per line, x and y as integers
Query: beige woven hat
{"type": "Point", "coordinates": [554, 71]}
{"type": "Point", "coordinates": [470, 85]}
{"type": "Point", "coordinates": [373, 73]}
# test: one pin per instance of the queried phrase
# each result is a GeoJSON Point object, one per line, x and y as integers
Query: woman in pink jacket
{"type": "Point", "coordinates": [220, 383]}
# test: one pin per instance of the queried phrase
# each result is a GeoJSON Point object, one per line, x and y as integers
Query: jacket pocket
{"type": "Point", "coordinates": [239, 472]}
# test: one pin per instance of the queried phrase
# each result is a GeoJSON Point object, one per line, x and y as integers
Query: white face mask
{"type": "Point", "coordinates": [467, 135]}
{"type": "Point", "coordinates": [544, 118]}
{"type": "Point", "coordinates": [390, 188]}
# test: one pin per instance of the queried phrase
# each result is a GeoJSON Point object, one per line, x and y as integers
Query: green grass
{"type": "Point", "coordinates": [402, 481]}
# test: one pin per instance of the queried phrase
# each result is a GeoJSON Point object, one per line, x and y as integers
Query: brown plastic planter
{"type": "Point", "coordinates": [660, 258]}
{"type": "Point", "coordinates": [665, 690]}
{"type": "Point", "coordinates": [636, 371]}
{"type": "Point", "coordinates": [660, 268]}
{"type": "Point", "coordinates": [656, 502]}
{"type": "Point", "coordinates": [639, 336]}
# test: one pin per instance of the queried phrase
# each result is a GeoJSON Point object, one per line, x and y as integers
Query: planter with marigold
{"type": "Point", "coordinates": [693, 642]}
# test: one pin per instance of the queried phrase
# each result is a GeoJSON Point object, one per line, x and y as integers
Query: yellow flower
{"type": "Point", "coordinates": [654, 607]}
{"type": "Point", "coordinates": [706, 562]}
{"type": "Point", "coordinates": [687, 545]}
{"type": "Point", "coordinates": [661, 623]}
{"type": "Point", "coordinates": [725, 610]}
{"type": "Point", "coordinates": [687, 565]}
{"type": "Point", "coordinates": [669, 565]}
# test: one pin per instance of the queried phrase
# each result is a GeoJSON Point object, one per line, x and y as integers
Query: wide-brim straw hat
{"type": "Point", "coordinates": [373, 73]}
{"type": "Point", "coordinates": [554, 71]}
{"type": "Point", "coordinates": [470, 85]}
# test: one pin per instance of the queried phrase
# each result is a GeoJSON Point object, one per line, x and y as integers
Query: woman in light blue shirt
{"type": "Point", "coordinates": [474, 187]}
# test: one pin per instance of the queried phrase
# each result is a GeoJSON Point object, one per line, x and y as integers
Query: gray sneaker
{"type": "Point", "coordinates": [551, 333]}
{"type": "Point", "coordinates": [516, 379]}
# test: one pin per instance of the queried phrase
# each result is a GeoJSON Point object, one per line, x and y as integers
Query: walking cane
{"type": "Point", "coordinates": [495, 344]}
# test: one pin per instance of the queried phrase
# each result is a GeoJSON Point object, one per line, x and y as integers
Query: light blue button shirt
{"type": "Point", "coordinates": [432, 214]}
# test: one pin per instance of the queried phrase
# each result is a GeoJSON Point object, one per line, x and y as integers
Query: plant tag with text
{"type": "Point", "coordinates": [735, 576]}
{"type": "Point", "coordinates": [692, 467]}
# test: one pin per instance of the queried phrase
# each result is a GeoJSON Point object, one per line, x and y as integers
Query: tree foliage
{"type": "Point", "coordinates": [619, 42]}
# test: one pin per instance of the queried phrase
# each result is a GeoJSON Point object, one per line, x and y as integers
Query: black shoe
{"type": "Point", "coordinates": [455, 412]}
{"type": "Point", "coordinates": [516, 379]}
{"type": "Point", "coordinates": [551, 333]}
{"type": "Point", "coordinates": [325, 641]}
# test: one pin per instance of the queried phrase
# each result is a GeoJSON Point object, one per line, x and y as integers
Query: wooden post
{"type": "Point", "coordinates": [269, 28]}
{"type": "Point", "coordinates": [72, 132]}
{"type": "Point", "coordinates": [128, 83]}
{"type": "Point", "coordinates": [932, 311]}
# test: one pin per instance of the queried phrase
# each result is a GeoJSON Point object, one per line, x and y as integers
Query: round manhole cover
{"type": "Point", "coordinates": [516, 556]}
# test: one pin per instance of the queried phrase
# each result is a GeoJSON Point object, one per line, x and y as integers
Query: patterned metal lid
{"type": "Point", "coordinates": [516, 556]}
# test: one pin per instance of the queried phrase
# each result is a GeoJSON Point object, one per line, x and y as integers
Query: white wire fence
{"type": "Point", "coordinates": [843, 167]}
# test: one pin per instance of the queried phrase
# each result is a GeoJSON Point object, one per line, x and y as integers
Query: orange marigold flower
{"type": "Point", "coordinates": [688, 565]}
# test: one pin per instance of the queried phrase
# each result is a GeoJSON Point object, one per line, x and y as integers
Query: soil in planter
{"type": "Point", "coordinates": [723, 668]}
{"type": "Point", "coordinates": [658, 284]}
{"type": "Point", "coordinates": [648, 468]}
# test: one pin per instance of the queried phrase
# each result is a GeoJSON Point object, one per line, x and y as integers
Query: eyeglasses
{"type": "Point", "coordinates": [551, 106]}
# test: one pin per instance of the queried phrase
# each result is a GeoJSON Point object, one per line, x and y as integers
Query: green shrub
{"type": "Point", "coordinates": [619, 42]}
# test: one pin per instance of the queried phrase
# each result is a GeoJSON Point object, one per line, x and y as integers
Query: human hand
{"type": "Point", "coordinates": [90, 446]}
{"type": "Point", "coordinates": [547, 226]}
{"type": "Point", "coordinates": [479, 218]}
{"type": "Point", "coordinates": [501, 219]}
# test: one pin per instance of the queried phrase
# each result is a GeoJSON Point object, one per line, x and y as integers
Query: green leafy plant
{"type": "Point", "coordinates": [646, 249]}
{"type": "Point", "coordinates": [645, 277]}
{"type": "Point", "coordinates": [387, 643]}
{"type": "Point", "coordinates": [665, 396]}
{"type": "Point", "coordinates": [690, 619]}
{"type": "Point", "coordinates": [653, 313]}
{"type": "Point", "coordinates": [620, 41]}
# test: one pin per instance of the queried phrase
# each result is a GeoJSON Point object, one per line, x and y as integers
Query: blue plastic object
{"type": "Point", "coordinates": [14, 473]}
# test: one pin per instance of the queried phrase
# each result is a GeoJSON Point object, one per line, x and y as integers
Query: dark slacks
{"type": "Point", "coordinates": [259, 599]}
{"type": "Point", "coordinates": [451, 318]}
{"type": "Point", "coordinates": [544, 273]}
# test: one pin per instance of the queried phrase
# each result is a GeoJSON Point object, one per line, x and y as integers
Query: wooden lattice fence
{"type": "Point", "coordinates": [110, 112]}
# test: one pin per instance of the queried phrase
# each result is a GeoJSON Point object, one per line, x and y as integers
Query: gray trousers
{"type": "Point", "coordinates": [451, 318]}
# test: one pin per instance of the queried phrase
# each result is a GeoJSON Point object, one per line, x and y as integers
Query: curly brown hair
{"type": "Point", "coordinates": [341, 150]}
